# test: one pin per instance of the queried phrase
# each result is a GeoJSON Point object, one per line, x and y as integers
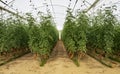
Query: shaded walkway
{"type": "Point", "coordinates": [59, 50]}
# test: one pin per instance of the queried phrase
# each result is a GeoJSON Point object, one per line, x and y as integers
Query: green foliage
{"type": "Point", "coordinates": [43, 36]}
{"type": "Point", "coordinates": [68, 33]}
{"type": "Point", "coordinates": [40, 38]}
{"type": "Point", "coordinates": [101, 34]}
{"type": "Point", "coordinates": [2, 32]}
{"type": "Point", "coordinates": [117, 40]}
{"type": "Point", "coordinates": [82, 22]}
{"type": "Point", "coordinates": [75, 60]}
{"type": "Point", "coordinates": [74, 32]}
{"type": "Point", "coordinates": [13, 35]}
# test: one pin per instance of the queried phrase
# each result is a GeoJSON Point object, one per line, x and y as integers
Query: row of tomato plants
{"type": "Point", "coordinates": [13, 37]}
{"type": "Point", "coordinates": [74, 33]}
{"type": "Point", "coordinates": [43, 36]}
{"type": "Point", "coordinates": [100, 32]}
{"type": "Point", "coordinates": [17, 35]}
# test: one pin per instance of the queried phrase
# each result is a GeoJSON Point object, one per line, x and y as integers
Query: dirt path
{"type": "Point", "coordinates": [59, 63]}
{"type": "Point", "coordinates": [58, 51]}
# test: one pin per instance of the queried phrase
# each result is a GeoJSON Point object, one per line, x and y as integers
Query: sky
{"type": "Point", "coordinates": [58, 9]}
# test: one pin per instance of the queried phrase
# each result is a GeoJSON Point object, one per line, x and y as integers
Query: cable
{"type": "Point", "coordinates": [5, 6]}
{"type": "Point", "coordinates": [93, 5]}
{"type": "Point", "coordinates": [8, 5]}
{"type": "Point", "coordinates": [85, 5]}
{"type": "Point", "coordinates": [17, 13]}
{"type": "Point", "coordinates": [48, 10]}
{"type": "Point", "coordinates": [87, 2]}
{"type": "Point", "coordinates": [2, 8]}
{"type": "Point", "coordinates": [10, 2]}
{"type": "Point", "coordinates": [52, 7]}
{"type": "Point", "coordinates": [74, 5]}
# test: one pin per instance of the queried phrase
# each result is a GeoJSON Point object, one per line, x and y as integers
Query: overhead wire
{"type": "Point", "coordinates": [93, 5]}
{"type": "Point", "coordinates": [52, 7]}
{"type": "Point", "coordinates": [16, 13]}
{"type": "Point", "coordinates": [87, 2]}
{"type": "Point", "coordinates": [3, 13]}
{"type": "Point", "coordinates": [2, 8]}
{"type": "Point", "coordinates": [8, 6]}
{"type": "Point", "coordinates": [48, 10]}
{"type": "Point", "coordinates": [10, 3]}
{"type": "Point", "coordinates": [74, 5]}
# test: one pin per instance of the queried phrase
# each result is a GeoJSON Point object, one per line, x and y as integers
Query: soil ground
{"type": "Point", "coordinates": [59, 63]}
